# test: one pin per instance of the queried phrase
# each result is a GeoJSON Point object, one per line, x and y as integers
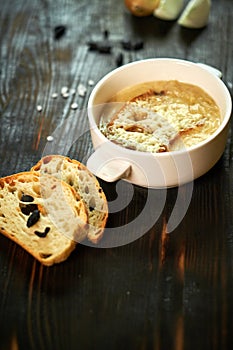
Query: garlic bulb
{"type": "Point", "coordinates": [196, 14]}
{"type": "Point", "coordinates": [169, 9]}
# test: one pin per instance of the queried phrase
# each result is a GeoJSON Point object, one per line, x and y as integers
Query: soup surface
{"type": "Point", "coordinates": [160, 116]}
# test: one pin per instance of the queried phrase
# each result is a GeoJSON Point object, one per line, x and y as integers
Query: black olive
{"type": "Point", "coordinates": [128, 45]}
{"type": "Point", "coordinates": [33, 218]}
{"type": "Point", "coordinates": [26, 198]}
{"type": "Point", "coordinates": [28, 208]}
{"type": "Point", "coordinates": [42, 234]}
{"type": "Point", "coordinates": [106, 34]}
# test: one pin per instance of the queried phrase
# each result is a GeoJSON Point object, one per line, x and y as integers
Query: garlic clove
{"type": "Point", "coordinates": [195, 14]}
{"type": "Point", "coordinates": [169, 9]}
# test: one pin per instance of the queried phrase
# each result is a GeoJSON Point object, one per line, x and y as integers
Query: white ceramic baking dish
{"type": "Point", "coordinates": [111, 162]}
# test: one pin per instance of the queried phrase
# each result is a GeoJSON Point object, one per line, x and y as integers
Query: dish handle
{"type": "Point", "coordinates": [106, 166]}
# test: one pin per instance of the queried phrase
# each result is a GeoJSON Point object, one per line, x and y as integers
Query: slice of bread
{"type": "Point", "coordinates": [85, 184]}
{"type": "Point", "coordinates": [42, 214]}
{"type": "Point", "coordinates": [137, 125]}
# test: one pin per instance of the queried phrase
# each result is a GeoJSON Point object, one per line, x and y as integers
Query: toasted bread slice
{"type": "Point", "coordinates": [138, 125]}
{"type": "Point", "coordinates": [42, 214]}
{"type": "Point", "coordinates": [85, 184]}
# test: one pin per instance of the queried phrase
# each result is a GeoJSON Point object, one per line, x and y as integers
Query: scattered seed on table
{"type": "Point", "coordinates": [54, 95]}
{"type": "Point", "coordinates": [119, 59]}
{"type": "Point", "coordinates": [59, 31]}
{"type": "Point", "coordinates": [104, 48]}
{"type": "Point", "coordinates": [64, 90]}
{"type": "Point", "coordinates": [126, 44]}
{"type": "Point", "coordinates": [82, 90]}
{"type": "Point", "coordinates": [138, 45]}
{"type": "Point", "coordinates": [82, 93]}
{"type": "Point", "coordinates": [74, 105]}
{"type": "Point", "coordinates": [91, 82]}
{"type": "Point", "coordinates": [65, 95]}
{"type": "Point", "coordinates": [50, 138]}
{"type": "Point", "coordinates": [39, 108]}
{"type": "Point", "coordinates": [92, 45]}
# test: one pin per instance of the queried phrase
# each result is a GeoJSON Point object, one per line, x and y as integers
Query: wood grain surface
{"type": "Point", "coordinates": [161, 291]}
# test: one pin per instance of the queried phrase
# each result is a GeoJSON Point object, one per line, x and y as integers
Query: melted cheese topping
{"type": "Point", "coordinates": [161, 116]}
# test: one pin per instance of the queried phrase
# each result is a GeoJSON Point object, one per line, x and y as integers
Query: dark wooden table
{"type": "Point", "coordinates": [161, 291]}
